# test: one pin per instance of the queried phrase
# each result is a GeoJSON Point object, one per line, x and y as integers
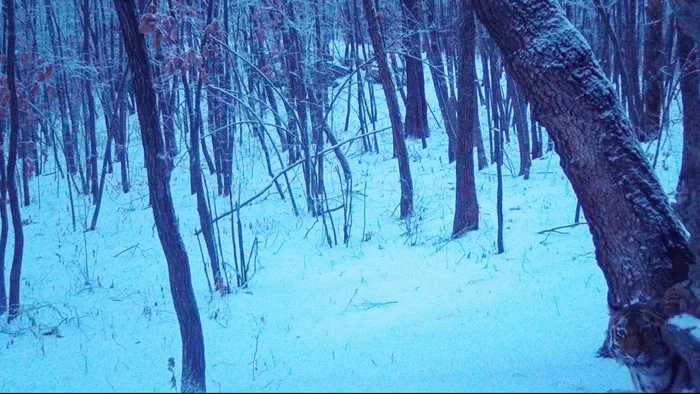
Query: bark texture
{"type": "Point", "coordinates": [639, 243]}
{"type": "Point", "coordinates": [193, 362]}
{"type": "Point", "coordinates": [466, 207]}
{"type": "Point", "coordinates": [688, 198]}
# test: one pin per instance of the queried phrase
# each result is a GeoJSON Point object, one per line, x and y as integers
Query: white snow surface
{"type": "Point", "coordinates": [397, 312]}
{"type": "Point", "coordinates": [686, 321]}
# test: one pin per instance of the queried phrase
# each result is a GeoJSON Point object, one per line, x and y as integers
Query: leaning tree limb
{"type": "Point", "coordinates": [640, 245]}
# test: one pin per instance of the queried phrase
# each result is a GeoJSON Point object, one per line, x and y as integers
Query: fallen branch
{"type": "Point", "coordinates": [367, 305]}
{"type": "Point", "coordinates": [126, 250]}
{"type": "Point", "coordinates": [560, 227]}
{"type": "Point", "coordinates": [290, 167]}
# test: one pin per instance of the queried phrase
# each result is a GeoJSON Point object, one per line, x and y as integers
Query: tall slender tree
{"type": "Point", "coordinates": [89, 115]}
{"type": "Point", "coordinates": [16, 270]}
{"type": "Point", "coordinates": [653, 63]}
{"type": "Point", "coordinates": [157, 168]}
{"type": "Point", "coordinates": [394, 114]}
{"type": "Point", "coordinates": [466, 207]}
{"type": "Point", "coordinates": [416, 105]}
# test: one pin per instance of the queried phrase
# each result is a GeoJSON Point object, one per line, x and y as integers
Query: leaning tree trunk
{"type": "Point", "coordinates": [639, 243]}
{"type": "Point", "coordinates": [394, 113]}
{"type": "Point", "coordinates": [193, 363]}
{"type": "Point", "coordinates": [688, 197]}
{"type": "Point", "coordinates": [466, 207]}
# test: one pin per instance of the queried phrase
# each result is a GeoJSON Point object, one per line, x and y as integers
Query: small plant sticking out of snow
{"type": "Point", "coordinates": [147, 312]}
{"type": "Point", "coordinates": [171, 368]}
{"type": "Point", "coordinates": [411, 224]}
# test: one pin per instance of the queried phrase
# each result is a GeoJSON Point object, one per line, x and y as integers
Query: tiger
{"type": "Point", "coordinates": [634, 340]}
{"type": "Point", "coordinates": [684, 296]}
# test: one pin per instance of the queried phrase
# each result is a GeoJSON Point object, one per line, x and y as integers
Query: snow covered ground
{"type": "Point", "coordinates": [397, 312]}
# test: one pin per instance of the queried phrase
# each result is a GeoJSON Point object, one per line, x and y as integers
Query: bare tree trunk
{"type": "Point", "coordinates": [16, 270]}
{"type": "Point", "coordinates": [90, 134]}
{"type": "Point", "coordinates": [653, 63]}
{"type": "Point", "coordinates": [688, 198]}
{"type": "Point", "coordinates": [499, 126]}
{"type": "Point", "coordinates": [193, 362]}
{"type": "Point", "coordinates": [416, 106]}
{"type": "Point", "coordinates": [120, 142]}
{"type": "Point", "coordinates": [437, 71]}
{"type": "Point", "coordinates": [394, 113]}
{"type": "Point", "coordinates": [466, 207]}
{"type": "Point", "coordinates": [111, 130]}
{"type": "Point", "coordinates": [68, 139]}
{"type": "Point", "coordinates": [196, 177]}
{"type": "Point", "coordinates": [640, 245]}
{"type": "Point", "coordinates": [478, 138]}
{"type": "Point", "coordinates": [631, 59]}
{"type": "Point", "coordinates": [298, 92]}
{"type": "Point", "coordinates": [3, 220]}
{"type": "Point", "coordinates": [519, 110]}
{"type": "Point", "coordinates": [536, 140]}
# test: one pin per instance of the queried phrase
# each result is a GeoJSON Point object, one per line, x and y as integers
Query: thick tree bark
{"type": "Point", "coordinates": [466, 207]}
{"type": "Point", "coordinates": [639, 243]}
{"type": "Point", "coordinates": [394, 113]}
{"type": "Point", "coordinates": [688, 198]}
{"type": "Point", "coordinates": [193, 362]}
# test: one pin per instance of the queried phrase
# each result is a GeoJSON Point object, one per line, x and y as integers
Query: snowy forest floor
{"type": "Point", "coordinates": [404, 309]}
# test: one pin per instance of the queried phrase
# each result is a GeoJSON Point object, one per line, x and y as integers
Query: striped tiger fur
{"type": "Point", "coordinates": [684, 297]}
{"type": "Point", "coordinates": [634, 340]}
